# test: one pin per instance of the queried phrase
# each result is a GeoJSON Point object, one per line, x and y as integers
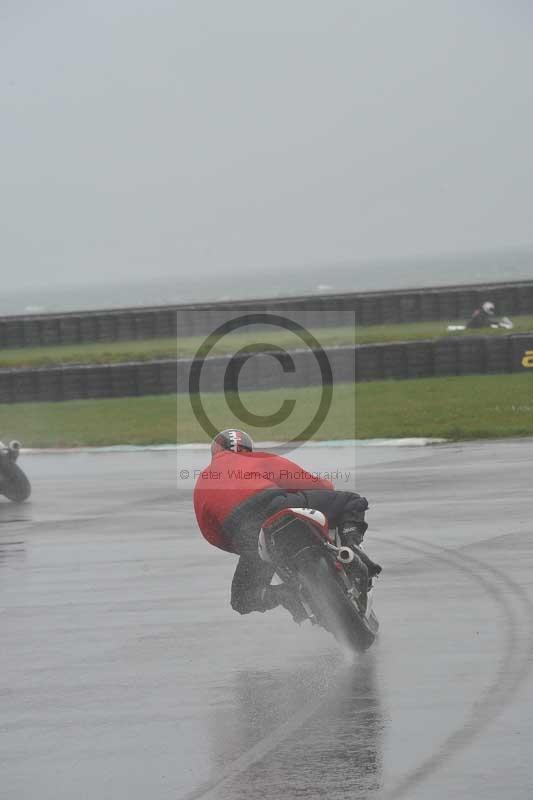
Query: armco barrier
{"type": "Point", "coordinates": [367, 308]}
{"type": "Point", "coordinates": [453, 356]}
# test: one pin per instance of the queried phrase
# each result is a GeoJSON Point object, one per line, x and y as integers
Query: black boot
{"type": "Point", "coordinates": [283, 595]}
{"type": "Point", "coordinates": [352, 531]}
{"type": "Point", "coordinates": [351, 534]}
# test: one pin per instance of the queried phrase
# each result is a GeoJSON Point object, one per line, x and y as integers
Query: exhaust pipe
{"type": "Point", "coordinates": [345, 555]}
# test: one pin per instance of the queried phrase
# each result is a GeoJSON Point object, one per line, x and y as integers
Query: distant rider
{"type": "Point", "coordinates": [483, 317]}
{"type": "Point", "coordinates": [240, 489]}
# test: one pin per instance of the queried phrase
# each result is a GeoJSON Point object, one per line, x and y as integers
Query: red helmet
{"type": "Point", "coordinates": [231, 439]}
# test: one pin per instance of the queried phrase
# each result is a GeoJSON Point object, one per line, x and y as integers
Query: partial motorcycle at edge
{"type": "Point", "coordinates": [13, 481]}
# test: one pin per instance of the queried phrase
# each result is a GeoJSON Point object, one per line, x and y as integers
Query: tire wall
{"type": "Point", "coordinates": [400, 360]}
{"type": "Point", "coordinates": [448, 303]}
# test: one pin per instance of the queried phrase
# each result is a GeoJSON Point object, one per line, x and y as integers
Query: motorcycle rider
{"type": "Point", "coordinates": [240, 489]}
{"type": "Point", "coordinates": [483, 317]}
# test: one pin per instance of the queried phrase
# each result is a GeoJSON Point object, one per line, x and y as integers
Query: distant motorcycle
{"type": "Point", "coordinates": [13, 482]}
{"type": "Point", "coordinates": [328, 578]}
{"type": "Point", "coordinates": [504, 322]}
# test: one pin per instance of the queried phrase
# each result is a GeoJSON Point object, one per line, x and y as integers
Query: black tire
{"type": "Point", "coordinates": [332, 607]}
{"type": "Point", "coordinates": [14, 483]}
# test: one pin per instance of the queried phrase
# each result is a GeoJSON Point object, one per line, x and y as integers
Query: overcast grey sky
{"type": "Point", "coordinates": [154, 137]}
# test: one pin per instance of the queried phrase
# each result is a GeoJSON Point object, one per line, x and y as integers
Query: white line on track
{"type": "Point", "coordinates": [515, 660]}
{"type": "Point", "coordinates": [133, 448]}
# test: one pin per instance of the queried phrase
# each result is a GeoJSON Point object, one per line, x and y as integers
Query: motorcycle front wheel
{"type": "Point", "coordinates": [331, 604]}
{"type": "Point", "coordinates": [14, 484]}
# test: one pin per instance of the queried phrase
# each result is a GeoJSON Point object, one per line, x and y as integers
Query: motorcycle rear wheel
{"type": "Point", "coordinates": [14, 484]}
{"type": "Point", "coordinates": [331, 605]}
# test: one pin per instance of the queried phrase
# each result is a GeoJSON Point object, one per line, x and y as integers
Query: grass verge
{"type": "Point", "coordinates": [454, 408]}
{"type": "Point", "coordinates": [153, 349]}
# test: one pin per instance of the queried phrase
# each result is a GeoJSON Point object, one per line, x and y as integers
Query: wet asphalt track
{"type": "Point", "coordinates": [125, 674]}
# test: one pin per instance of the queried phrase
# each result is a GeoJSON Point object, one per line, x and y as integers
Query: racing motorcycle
{"type": "Point", "coordinates": [326, 576]}
{"type": "Point", "coordinates": [504, 322]}
{"type": "Point", "coordinates": [13, 482]}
